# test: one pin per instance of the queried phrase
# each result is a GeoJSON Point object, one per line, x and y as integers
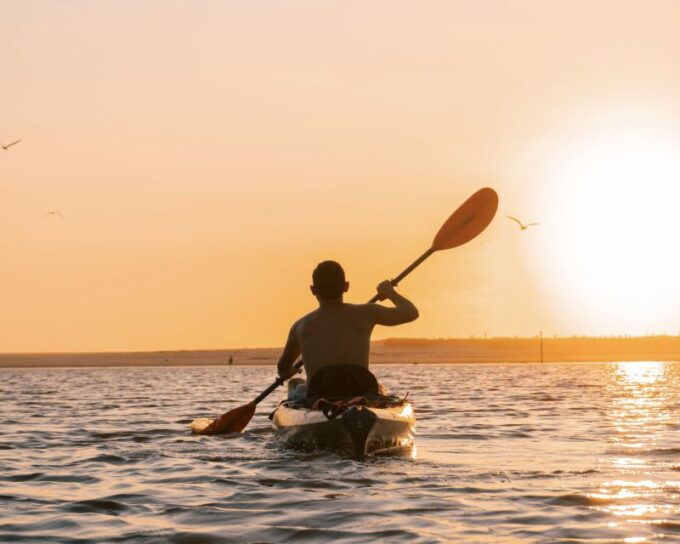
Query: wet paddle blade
{"type": "Point", "coordinates": [468, 221]}
{"type": "Point", "coordinates": [233, 421]}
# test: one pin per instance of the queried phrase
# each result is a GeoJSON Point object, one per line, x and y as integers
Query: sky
{"type": "Point", "coordinates": [206, 155]}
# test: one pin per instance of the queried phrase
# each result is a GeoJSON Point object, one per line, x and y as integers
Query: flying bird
{"type": "Point", "coordinates": [6, 147]}
{"type": "Point", "coordinates": [53, 213]}
{"type": "Point", "coordinates": [522, 226]}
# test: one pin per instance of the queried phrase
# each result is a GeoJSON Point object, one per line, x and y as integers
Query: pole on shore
{"type": "Point", "coordinates": [540, 336]}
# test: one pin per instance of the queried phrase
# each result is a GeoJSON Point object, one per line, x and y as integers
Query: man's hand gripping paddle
{"type": "Point", "coordinates": [466, 223]}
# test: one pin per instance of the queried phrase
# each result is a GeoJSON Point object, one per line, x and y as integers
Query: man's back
{"type": "Point", "coordinates": [340, 333]}
{"type": "Point", "coordinates": [335, 334]}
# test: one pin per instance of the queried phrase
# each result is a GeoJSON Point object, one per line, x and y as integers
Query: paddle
{"type": "Point", "coordinates": [468, 221]}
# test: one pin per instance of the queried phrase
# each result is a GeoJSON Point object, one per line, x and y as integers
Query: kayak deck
{"type": "Point", "coordinates": [358, 430]}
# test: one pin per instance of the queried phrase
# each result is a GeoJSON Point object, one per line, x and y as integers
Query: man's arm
{"type": "Point", "coordinates": [290, 353]}
{"type": "Point", "coordinates": [404, 310]}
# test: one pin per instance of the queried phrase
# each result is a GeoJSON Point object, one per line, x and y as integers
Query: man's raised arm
{"type": "Point", "coordinates": [404, 310]}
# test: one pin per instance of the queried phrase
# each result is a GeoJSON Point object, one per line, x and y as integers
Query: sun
{"type": "Point", "coordinates": [610, 212]}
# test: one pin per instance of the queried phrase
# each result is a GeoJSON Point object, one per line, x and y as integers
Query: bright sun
{"type": "Point", "coordinates": [610, 214]}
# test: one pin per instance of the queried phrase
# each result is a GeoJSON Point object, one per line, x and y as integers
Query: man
{"type": "Point", "coordinates": [338, 333]}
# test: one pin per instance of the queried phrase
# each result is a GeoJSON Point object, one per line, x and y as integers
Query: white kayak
{"type": "Point", "coordinates": [359, 430]}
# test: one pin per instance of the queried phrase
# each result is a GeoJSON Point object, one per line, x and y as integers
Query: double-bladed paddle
{"type": "Point", "coordinates": [466, 223]}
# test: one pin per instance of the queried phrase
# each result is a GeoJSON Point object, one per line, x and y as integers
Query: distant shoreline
{"type": "Point", "coordinates": [390, 351]}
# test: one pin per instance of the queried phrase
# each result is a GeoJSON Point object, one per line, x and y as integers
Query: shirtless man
{"type": "Point", "coordinates": [338, 332]}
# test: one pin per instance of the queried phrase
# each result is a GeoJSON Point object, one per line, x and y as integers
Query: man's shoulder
{"type": "Point", "coordinates": [359, 307]}
{"type": "Point", "coordinates": [320, 313]}
{"type": "Point", "coordinates": [363, 313]}
{"type": "Point", "coordinates": [305, 318]}
{"type": "Point", "coordinates": [367, 309]}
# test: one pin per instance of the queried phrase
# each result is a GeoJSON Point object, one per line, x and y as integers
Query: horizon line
{"type": "Point", "coordinates": [378, 341]}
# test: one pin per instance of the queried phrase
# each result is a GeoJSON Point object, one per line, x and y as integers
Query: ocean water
{"type": "Point", "coordinates": [505, 453]}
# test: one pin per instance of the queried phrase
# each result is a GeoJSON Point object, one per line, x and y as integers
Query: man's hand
{"type": "Point", "coordinates": [291, 374]}
{"type": "Point", "coordinates": [385, 290]}
{"type": "Point", "coordinates": [403, 311]}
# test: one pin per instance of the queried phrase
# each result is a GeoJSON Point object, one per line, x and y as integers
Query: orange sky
{"type": "Point", "coordinates": [206, 155]}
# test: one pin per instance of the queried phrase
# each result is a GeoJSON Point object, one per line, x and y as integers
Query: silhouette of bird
{"type": "Point", "coordinates": [53, 213]}
{"type": "Point", "coordinates": [522, 226]}
{"type": "Point", "coordinates": [6, 147]}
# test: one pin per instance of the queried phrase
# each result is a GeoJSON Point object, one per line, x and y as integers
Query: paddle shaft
{"type": "Point", "coordinates": [297, 366]}
{"type": "Point", "coordinates": [279, 381]}
{"type": "Point", "coordinates": [410, 268]}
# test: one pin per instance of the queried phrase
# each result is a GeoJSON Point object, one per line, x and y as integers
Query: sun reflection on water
{"type": "Point", "coordinates": [638, 410]}
{"type": "Point", "coordinates": [641, 409]}
{"type": "Point", "coordinates": [640, 372]}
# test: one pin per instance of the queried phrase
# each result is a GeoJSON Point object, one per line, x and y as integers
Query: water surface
{"type": "Point", "coordinates": [505, 453]}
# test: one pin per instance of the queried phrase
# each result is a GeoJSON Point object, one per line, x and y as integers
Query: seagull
{"type": "Point", "coordinates": [53, 213]}
{"type": "Point", "coordinates": [521, 225]}
{"type": "Point", "coordinates": [6, 147]}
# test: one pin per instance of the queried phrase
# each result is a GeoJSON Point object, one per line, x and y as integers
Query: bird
{"type": "Point", "coordinates": [6, 147]}
{"type": "Point", "coordinates": [53, 213]}
{"type": "Point", "coordinates": [522, 226]}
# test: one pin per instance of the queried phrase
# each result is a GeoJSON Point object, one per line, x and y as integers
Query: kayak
{"type": "Point", "coordinates": [360, 430]}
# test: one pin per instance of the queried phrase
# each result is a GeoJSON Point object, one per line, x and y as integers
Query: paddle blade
{"type": "Point", "coordinates": [233, 421]}
{"type": "Point", "coordinates": [468, 221]}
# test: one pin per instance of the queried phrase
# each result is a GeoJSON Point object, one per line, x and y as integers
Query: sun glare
{"type": "Point", "coordinates": [640, 372]}
{"type": "Point", "coordinates": [610, 210]}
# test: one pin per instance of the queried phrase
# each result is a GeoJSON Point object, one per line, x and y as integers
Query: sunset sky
{"type": "Point", "coordinates": [206, 155]}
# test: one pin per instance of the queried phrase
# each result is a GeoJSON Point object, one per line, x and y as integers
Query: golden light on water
{"type": "Point", "coordinates": [639, 408]}
{"type": "Point", "coordinates": [644, 372]}
{"type": "Point", "coordinates": [640, 411]}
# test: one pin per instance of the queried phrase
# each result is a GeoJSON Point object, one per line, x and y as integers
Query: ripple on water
{"type": "Point", "coordinates": [97, 506]}
{"type": "Point", "coordinates": [519, 453]}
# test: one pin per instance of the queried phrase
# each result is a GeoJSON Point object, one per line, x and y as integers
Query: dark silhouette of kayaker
{"type": "Point", "coordinates": [334, 340]}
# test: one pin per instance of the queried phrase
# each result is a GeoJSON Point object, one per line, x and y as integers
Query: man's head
{"type": "Point", "coordinates": [328, 281]}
